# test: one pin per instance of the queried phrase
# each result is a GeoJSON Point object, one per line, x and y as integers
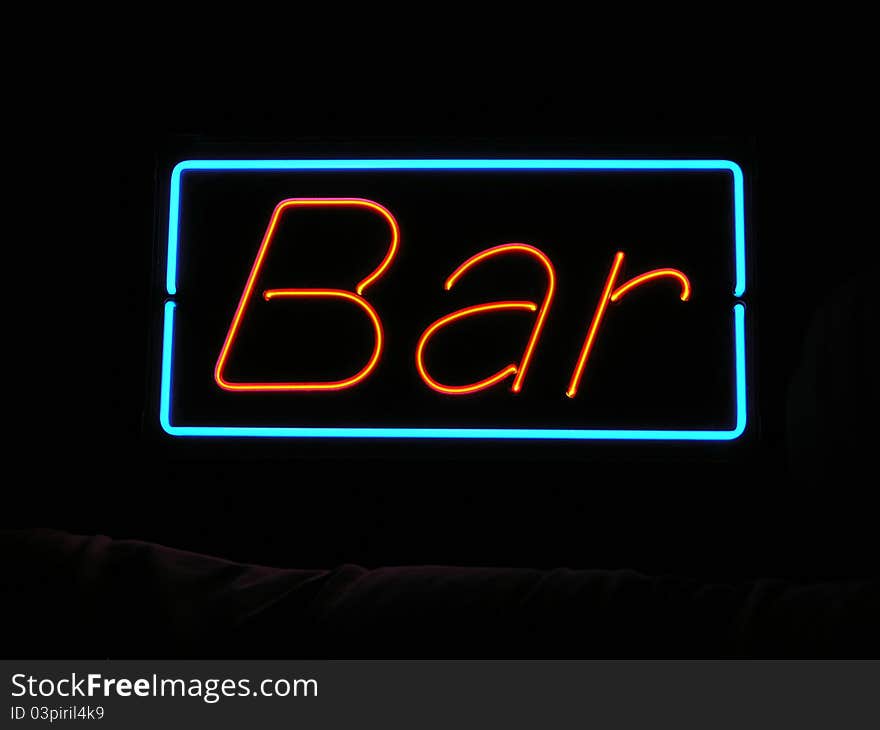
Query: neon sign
{"type": "Point", "coordinates": [610, 294]}
{"type": "Point", "coordinates": [427, 360]}
{"type": "Point", "coordinates": [270, 294]}
{"type": "Point", "coordinates": [518, 371]}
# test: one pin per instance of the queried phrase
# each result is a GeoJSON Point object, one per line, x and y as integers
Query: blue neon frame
{"type": "Point", "coordinates": [456, 433]}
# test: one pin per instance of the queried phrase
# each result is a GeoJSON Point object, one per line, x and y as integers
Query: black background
{"type": "Point", "coordinates": [88, 464]}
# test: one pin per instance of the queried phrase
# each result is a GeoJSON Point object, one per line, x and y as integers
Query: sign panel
{"type": "Point", "coordinates": [467, 299]}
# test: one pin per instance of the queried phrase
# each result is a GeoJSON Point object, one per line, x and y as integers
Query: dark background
{"type": "Point", "coordinates": [723, 511]}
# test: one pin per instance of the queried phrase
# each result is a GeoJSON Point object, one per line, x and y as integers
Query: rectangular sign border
{"type": "Point", "coordinates": [456, 433]}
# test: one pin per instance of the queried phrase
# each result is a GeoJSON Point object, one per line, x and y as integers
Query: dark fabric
{"type": "Point", "coordinates": [71, 595]}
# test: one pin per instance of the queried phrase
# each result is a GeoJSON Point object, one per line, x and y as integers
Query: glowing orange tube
{"type": "Point", "coordinates": [649, 276]}
{"type": "Point", "coordinates": [333, 385]}
{"type": "Point", "coordinates": [461, 314]}
{"type": "Point", "coordinates": [594, 326]}
{"type": "Point", "coordinates": [535, 253]}
{"type": "Point", "coordinates": [392, 247]}
{"type": "Point", "coordinates": [319, 293]}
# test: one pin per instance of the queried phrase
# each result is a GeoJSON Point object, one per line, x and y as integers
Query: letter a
{"type": "Point", "coordinates": [517, 370]}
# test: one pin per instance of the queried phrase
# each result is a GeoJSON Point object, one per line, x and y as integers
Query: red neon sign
{"type": "Point", "coordinates": [519, 371]}
{"type": "Point", "coordinates": [271, 294]}
{"type": "Point", "coordinates": [610, 294]}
